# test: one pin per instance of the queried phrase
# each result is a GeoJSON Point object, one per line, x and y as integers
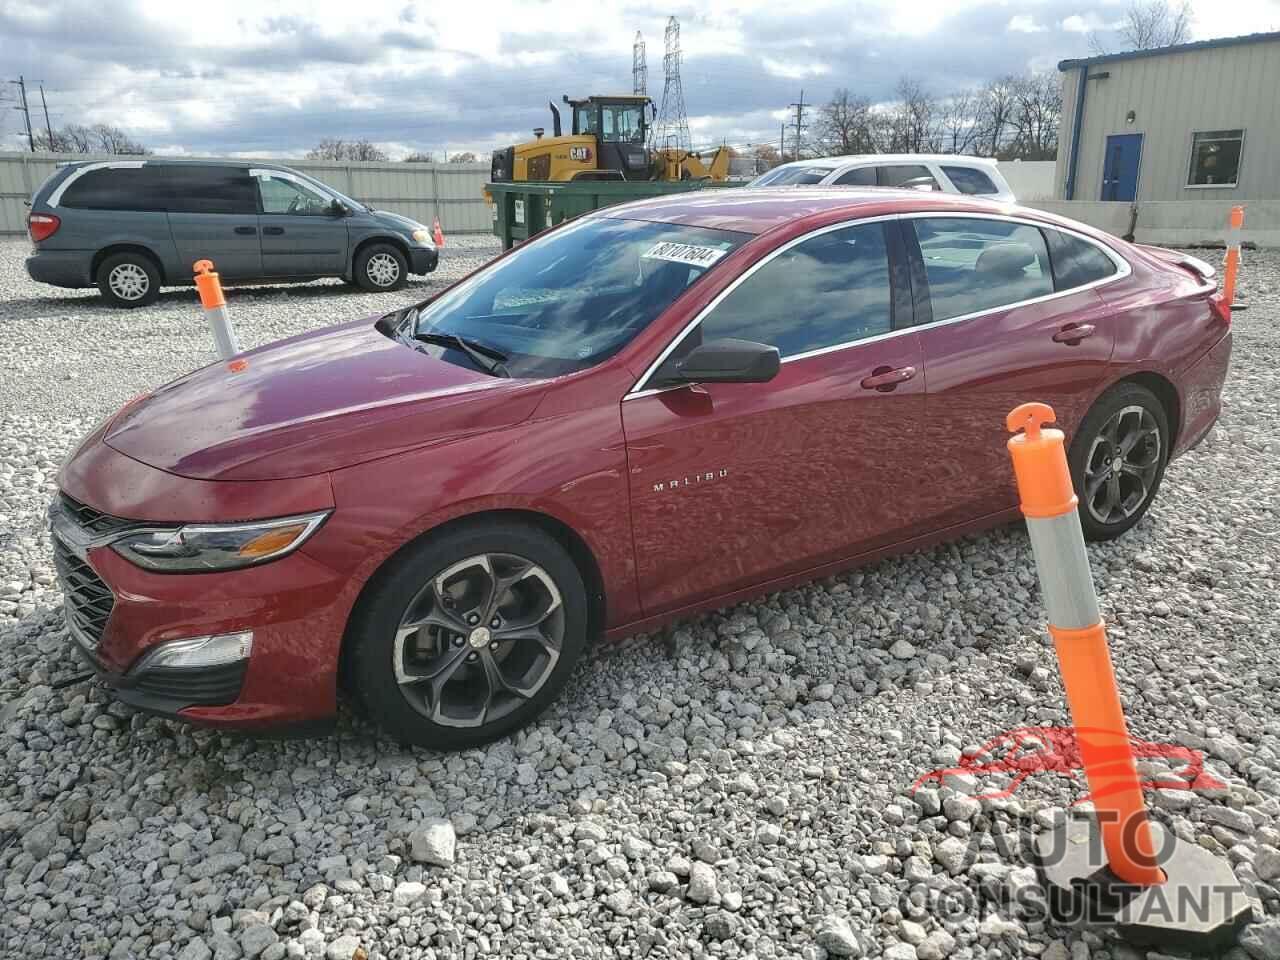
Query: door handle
{"type": "Point", "coordinates": [273, 231]}
{"type": "Point", "coordinates": [1073, 333]}
{"type": "Point", "coordinates": [246, 231]}
{"type": "Point", "coordinates": [885, 379]}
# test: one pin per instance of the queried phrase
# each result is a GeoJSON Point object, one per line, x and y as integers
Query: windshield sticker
{"type": "Point", "coordinates": [693, 255]}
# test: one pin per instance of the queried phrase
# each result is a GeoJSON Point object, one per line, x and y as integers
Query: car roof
{"type": "Point", "coordinates": [758, 209]}
{"type": "Point", "coordinates": [178, 162]}
{"type": "Point", "coordinates": [953, 159]}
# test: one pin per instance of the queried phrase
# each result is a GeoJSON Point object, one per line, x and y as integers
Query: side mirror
{"type": "Point", "coordinates": [723, 361]}
{"type": "Point", "coordinates": [339, 209]}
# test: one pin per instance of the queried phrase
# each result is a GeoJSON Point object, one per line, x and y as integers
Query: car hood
{"type": "Point", "coordinates": [396, 221]}
{"type": "Point", "coordinates": [314, 403]}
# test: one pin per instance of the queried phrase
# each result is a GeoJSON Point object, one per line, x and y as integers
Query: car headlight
{"type": "Point", "coordinates": [422, 236]}
{"type": "Point", "coordinates": [200, 548]}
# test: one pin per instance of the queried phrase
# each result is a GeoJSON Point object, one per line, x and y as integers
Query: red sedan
{"type": "Point", "coordinates": [657, 409]}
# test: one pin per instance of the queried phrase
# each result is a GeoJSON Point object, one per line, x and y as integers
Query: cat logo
{"type": "Point", "coordinates": [580, 153]}
{"type": "Point", "coordinates": [692, 480]}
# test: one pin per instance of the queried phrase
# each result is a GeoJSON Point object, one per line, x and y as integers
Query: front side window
{"type": "Point", "coordinates": [913, 176]}
{"type": "Point", "coordinates": [211, 189]}
{"type": "Point", "coordinates": [973, 265]}
{"type": "Point", "coordinates": [969, 181]}
{"type": "Point", "coordinates": [117, 188]}
{"type": "Point", "coordinates": [584, 120]}
{"type": "Point", "coordinates": [577, 295]}
{"type": "Point", "coordinates": [828, 290]}
{"type": "Point", "coordinates": [1215, 158]}
{"type": "Point", "coordinates": [283, 196]}
{"type": "Point", "coordinates": [792, 176]}
{"type": "Point", "coordinates": [858, 177]}
{"type": "Point", "coordinates": [623, 123]}
{"type": "Point", "coordinates": [1076, 261]}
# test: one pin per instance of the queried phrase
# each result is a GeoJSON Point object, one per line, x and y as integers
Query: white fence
{"type": "Point", "coordinates": [423, 191]}
{"type": "Point", "coordinates": [1030, 179]}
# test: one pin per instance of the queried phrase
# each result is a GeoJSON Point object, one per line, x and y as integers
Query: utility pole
{"type": "Point", "coordinates": [799, 107]}
{"type": "Point", "coordinates": [21, 84]}
{"type": "Point", "coordinates": [782, 143]}
{"type": "Point", "coordinates": [48, 127]}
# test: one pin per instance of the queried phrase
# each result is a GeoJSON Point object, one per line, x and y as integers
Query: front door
{"type": "Point", "coordinates": [1120, 167]}
{"type": "Point", "coordinates": [302, 236]}
{"type": "Point", "coordinates": [986, 354]}
{"type": "Point", "coordinates": [736, 484]}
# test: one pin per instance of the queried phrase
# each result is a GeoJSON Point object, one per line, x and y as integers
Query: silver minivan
{"type": "Point", "coordinates": [130, 226]}
{"type": "Point", "coordinates": [947, 173]}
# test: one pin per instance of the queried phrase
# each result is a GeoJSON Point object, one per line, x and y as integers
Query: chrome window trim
{"type": "Point", "coordinates": [56, 197]}
{"type": "Point", "coordinates": [1123, 269]}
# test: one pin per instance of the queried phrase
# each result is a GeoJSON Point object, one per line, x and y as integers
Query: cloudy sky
{"type": "Point", "coordinates": [270, 79]}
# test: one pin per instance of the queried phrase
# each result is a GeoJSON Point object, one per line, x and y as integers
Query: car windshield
{"type": "Point", "coordinates": [786, 176]}
{"type": "Point", "coordinates": [568, 300]}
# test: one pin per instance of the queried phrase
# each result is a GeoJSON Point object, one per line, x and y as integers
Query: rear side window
{"type": "Point", "coordinates": [211, 189]}
{"type": "Point", "coordinates": [907, 175]}
{"type": "Point", "coordinates": [858, 177]}
{"type": "Point", "coordinates": [970, 181]}
{"type": "Point", "coordinates": [828, 290]}
{"type": "Point", "coordinates": [792, 176]}
{"type": "Point", "coordinates": [1076, 261]}
{"type": "Point", "coordinates": [117, 188]}
{"type": "Point", "coordinates": [974, 265]}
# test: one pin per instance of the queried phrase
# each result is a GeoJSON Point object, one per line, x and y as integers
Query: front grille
{"type": "Point", "coordinates": [88, 600]}
{"type": "Point", "coordinates": [95, 521]}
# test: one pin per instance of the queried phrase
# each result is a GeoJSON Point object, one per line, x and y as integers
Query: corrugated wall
{"type": "Point", "coordinates": [423, 191]}
{"type": "Point", "coordinates": [1173, 96]}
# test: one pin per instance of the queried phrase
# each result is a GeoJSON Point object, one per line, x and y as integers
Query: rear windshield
{"type": "Point", "coordinates": [786, 176]}
{"type": "Point", "coordinates": [577, 295]}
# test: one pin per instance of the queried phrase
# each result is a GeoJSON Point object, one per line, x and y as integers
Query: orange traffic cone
{"type": "Point", "coordinates": [436, 233]}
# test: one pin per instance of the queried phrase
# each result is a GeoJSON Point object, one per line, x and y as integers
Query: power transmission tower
{"type": "Point", "coordinates": [799, 124]}
{"type": "Point", "coordinates": [48, 127]}
{"type": "Point", "coordinates": [672, 128]}
{"type": "Point", "coordinates": [639, 67]}
{"type": "Point", "coordinates": [26, 111]}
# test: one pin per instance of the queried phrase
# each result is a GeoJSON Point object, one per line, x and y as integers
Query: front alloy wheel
{"type": "Point", "coordinates": [468, 634]}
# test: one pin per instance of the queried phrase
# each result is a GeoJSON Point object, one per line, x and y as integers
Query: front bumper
{"type": "Point", "coordinates": [423, 260]}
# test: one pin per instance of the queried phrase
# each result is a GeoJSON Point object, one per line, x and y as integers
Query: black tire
{"type": "Point", "coordinates": [380, 267]}
{"type": "Point", "coordinates": [406, 710]}
{"type": "Point", "coordinates": [129, 280]}
{"type": "Point", "coordinates": [1112, 500]}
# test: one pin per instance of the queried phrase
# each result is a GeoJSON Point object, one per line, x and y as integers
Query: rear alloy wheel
{"type": "Point", "coordinates": [129, 280]}
{"type": "Point", "coordinates": [1118, 460]}
{"type": "Point", "coordinates": [381, 267]}
{"type": "Point", "coordinates": [470, 637]}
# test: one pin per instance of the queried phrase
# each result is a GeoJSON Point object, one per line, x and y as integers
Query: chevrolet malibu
{"type": "Point", "coordinates": [658, 409]}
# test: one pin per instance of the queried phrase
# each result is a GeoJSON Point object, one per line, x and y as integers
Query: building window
{"type": "Point", "coordinates": [1215, 158]}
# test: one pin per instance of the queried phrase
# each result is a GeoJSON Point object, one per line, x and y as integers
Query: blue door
{"type": "Point", "coordinates": [1120, 168]}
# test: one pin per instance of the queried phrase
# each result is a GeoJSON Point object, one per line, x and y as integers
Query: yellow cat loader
{"type": "Point", "coordinates": [607, 142]}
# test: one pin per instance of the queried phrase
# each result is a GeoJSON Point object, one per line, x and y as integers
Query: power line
{"type": "Point", "coordinates": [48, 127]}
{"type": "Point", "coordinates": [26, 111]}
{"type": "Point", "coordinates": [673, 121]}
{"type": "Point", "coordinates": [799, 124]}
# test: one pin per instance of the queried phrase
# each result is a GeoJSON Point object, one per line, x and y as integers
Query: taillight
{"type": "Point", "coordinates": [42, 226]}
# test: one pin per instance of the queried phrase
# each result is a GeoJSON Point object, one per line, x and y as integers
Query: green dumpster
{"type": "Point", "coordinates": [522, 210]}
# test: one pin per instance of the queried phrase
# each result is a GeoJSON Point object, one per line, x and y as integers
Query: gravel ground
{"type": "Point", "coordinates": [736, 787]}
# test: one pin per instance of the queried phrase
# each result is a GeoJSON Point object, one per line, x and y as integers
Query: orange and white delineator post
{"type": "Point", "coordinates": [1080, 637]}
{"type": "Point", "coordinates": [1235, 224]}
{"type": "Point", "coordinates": [215, 308]}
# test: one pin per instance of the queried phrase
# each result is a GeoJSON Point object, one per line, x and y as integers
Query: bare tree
{"type": "Point", "coordinates": [1149, 24]}
{"type": "Point", "coordinates": [998, 104]}
{"type": "Point", "coordinates": [1037, 109]}
{"type": "Point", "coordinates": [421, 157]}
{"type": "Point", "coordinates": [959, 124]}
{"type": "Point", "coordinates": [331, 148]}
{"type": "Point", "coordinates": [917, 114]}
{"type": "Point", "coordinates": [766, 157]}
{"type": "Point", "coordinates": [466, 156]}
{"type": "Point", "coordinates": [99, 138]}
{"type": "Point", "coordinates": [842, 125]}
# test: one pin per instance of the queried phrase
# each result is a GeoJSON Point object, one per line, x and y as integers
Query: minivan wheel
{"type": "Point", "coordinates": [129, 280]}
{"type": "Point", "coordinates": [381, 267]}
{"type": "Point", "coordinates": [468, 636]}
{"type": "Point", "coordinates": [1117, 459]}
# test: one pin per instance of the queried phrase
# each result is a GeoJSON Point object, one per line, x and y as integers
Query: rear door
{"type": "Point", "coordinates": [735, 484]}
{"type": "Point", "coordinates": [213, 214]}
{"type": "Point", "coordinates": [117, 201]}
{"type": "Point", "coordinates": [1001, 331]}
{"type": "Point", "coordinates": [302, 235]}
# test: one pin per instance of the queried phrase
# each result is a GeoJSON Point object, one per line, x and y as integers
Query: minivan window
{"type": "Point", "coordinates": [195, 188]}
{"type": "Point", "coordinates": [970, 181]}
{"type": "Point", "coordinates": [828, 290]}
{"type": "Point", "coordinates": [1076, 261]}
{"type": "Point", "coordinates": [791, 176]}
{"type": "Point", "coordinates": [858, 177]}
{"type": "Point", "coordinates": [291, 197]}
{"type": "Point", "coordinates": [974, 264]}
{"type": "Point", "coordinates": [117, 188]}
{"type": "Point", "coordinates": [576, 295]}
{"type": "Point", "coordinates": [895, 175]}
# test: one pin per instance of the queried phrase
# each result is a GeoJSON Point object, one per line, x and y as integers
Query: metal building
{"type": "Point", "coordinates": [1197, 121]}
